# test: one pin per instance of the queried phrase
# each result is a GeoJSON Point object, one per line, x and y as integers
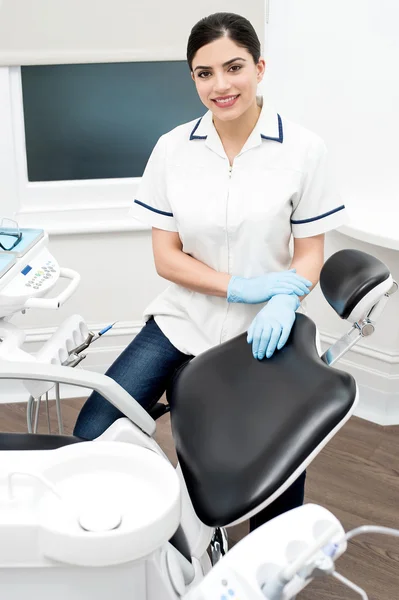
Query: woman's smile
{"type": "Point", "coordinates": [225, 101]}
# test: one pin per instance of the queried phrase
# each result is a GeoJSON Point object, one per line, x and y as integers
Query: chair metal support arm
{"type": "Point", "coordinates": [107, 387]}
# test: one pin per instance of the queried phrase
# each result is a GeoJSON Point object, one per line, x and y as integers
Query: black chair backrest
{"type": "Point", "coordinates": [347, 276]}
{"type": "Point", "coordinates": [243, 427]}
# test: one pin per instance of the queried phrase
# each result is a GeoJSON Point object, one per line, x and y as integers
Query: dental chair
{"type": "Point", "coordinates": [244, 430]}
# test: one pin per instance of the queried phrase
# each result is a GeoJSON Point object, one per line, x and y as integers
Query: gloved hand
{"type": "Point", "coordinates": [272, 325]}
{"type": "Point", "coordinates": [262, 288]}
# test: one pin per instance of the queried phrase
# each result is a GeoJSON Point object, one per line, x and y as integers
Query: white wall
{"type": "Point", "coordinates": [374, 361]}
{"type": "Point", "coordinates": [68, 31]}
{"type": "Point", "coordinates": [332, 66]}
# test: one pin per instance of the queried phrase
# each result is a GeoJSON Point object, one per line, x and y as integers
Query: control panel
{"type": "Point", "coordinates": [30, 277]}
{"type": "Point", "coordinates": [36, 278]}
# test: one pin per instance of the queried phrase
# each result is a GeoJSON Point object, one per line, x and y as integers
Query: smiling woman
{"type": "Point", "coordinates": [228, 87]}
{"type": "Point", "coordinates": [224, 194]}
{"type": "Point", "coordinates": [227, 70]}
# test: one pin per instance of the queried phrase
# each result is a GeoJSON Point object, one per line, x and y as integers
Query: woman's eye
{"type": "Point", "coordinates": [206, 74]}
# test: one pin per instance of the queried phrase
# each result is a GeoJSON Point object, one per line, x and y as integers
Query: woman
{"type": "Point", "coordinates": [223, 195]}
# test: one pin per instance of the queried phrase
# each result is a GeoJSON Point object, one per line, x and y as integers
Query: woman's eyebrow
{"type": "Point", "coordinates": [226, 64]}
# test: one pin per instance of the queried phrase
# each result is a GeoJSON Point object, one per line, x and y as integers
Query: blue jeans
{"type": "Point", "coordinates": [144, 369]}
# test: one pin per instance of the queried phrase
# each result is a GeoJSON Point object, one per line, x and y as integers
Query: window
{"type": "Point", "coordinates": [81, 135]}
{"type": "Point", "coordinates": [101, 121]}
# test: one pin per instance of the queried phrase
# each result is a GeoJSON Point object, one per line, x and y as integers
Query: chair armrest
{"type": "Point", "coordinates": [107, 387]}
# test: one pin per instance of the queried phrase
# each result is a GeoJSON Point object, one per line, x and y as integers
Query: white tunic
{"type": "Point", "coordinates": [236, 220]}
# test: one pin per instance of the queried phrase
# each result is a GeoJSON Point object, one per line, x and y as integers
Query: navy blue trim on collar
{"type": "Point", "coordinates": [160, 212]}
{"type": "Point", "coordinates": [197, 137]}
{"type": "Point", "coordinates": [280, 133]}
{"type": "Point", "coordinates": [327, 214]}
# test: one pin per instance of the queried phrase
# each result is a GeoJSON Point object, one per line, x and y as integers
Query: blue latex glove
{"type": "Point", "coordinates": [262, 288]}
{"type": "Point", "coordinates": [272, 325]}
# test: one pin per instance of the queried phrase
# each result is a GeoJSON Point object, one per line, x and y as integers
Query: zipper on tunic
{"type": "Point", "coordinates": [228, 252]}
{"type": "Point", "coordinates": [227, 210]}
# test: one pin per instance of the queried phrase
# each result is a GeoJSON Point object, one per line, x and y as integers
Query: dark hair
{"type": "Point", "coordinates": [223, 24]}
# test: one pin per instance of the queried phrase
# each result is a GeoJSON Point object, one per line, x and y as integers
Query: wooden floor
{"type": "Point", "coordinates": [356, 477]}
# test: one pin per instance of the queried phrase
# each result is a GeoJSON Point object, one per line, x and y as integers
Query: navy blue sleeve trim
{"type": "Point", "coordinates": [197, 137]}
{"type": "Point", "coordinates": [327, 214]}
{"type": "Point", "coordinates": [160, 212]}
{"type": "Point", "coordinates": [280, 132]}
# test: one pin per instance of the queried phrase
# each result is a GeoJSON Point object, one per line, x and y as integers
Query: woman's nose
{"type": "Point", "coordinates": [222, 84]}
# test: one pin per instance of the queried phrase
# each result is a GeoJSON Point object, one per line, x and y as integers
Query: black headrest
{"type": "Point", "coordinates": [347, 276]}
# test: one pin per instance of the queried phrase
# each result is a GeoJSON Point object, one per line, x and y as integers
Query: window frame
{"type": "Point", "coordinates": [78, 206]}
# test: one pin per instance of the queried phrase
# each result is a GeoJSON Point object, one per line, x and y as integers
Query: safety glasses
{"type": "Point", "coordinates": [10, 235]}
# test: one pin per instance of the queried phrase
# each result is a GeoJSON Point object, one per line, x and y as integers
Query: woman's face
{"type": "Point", "coordinates": [226, 78]}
